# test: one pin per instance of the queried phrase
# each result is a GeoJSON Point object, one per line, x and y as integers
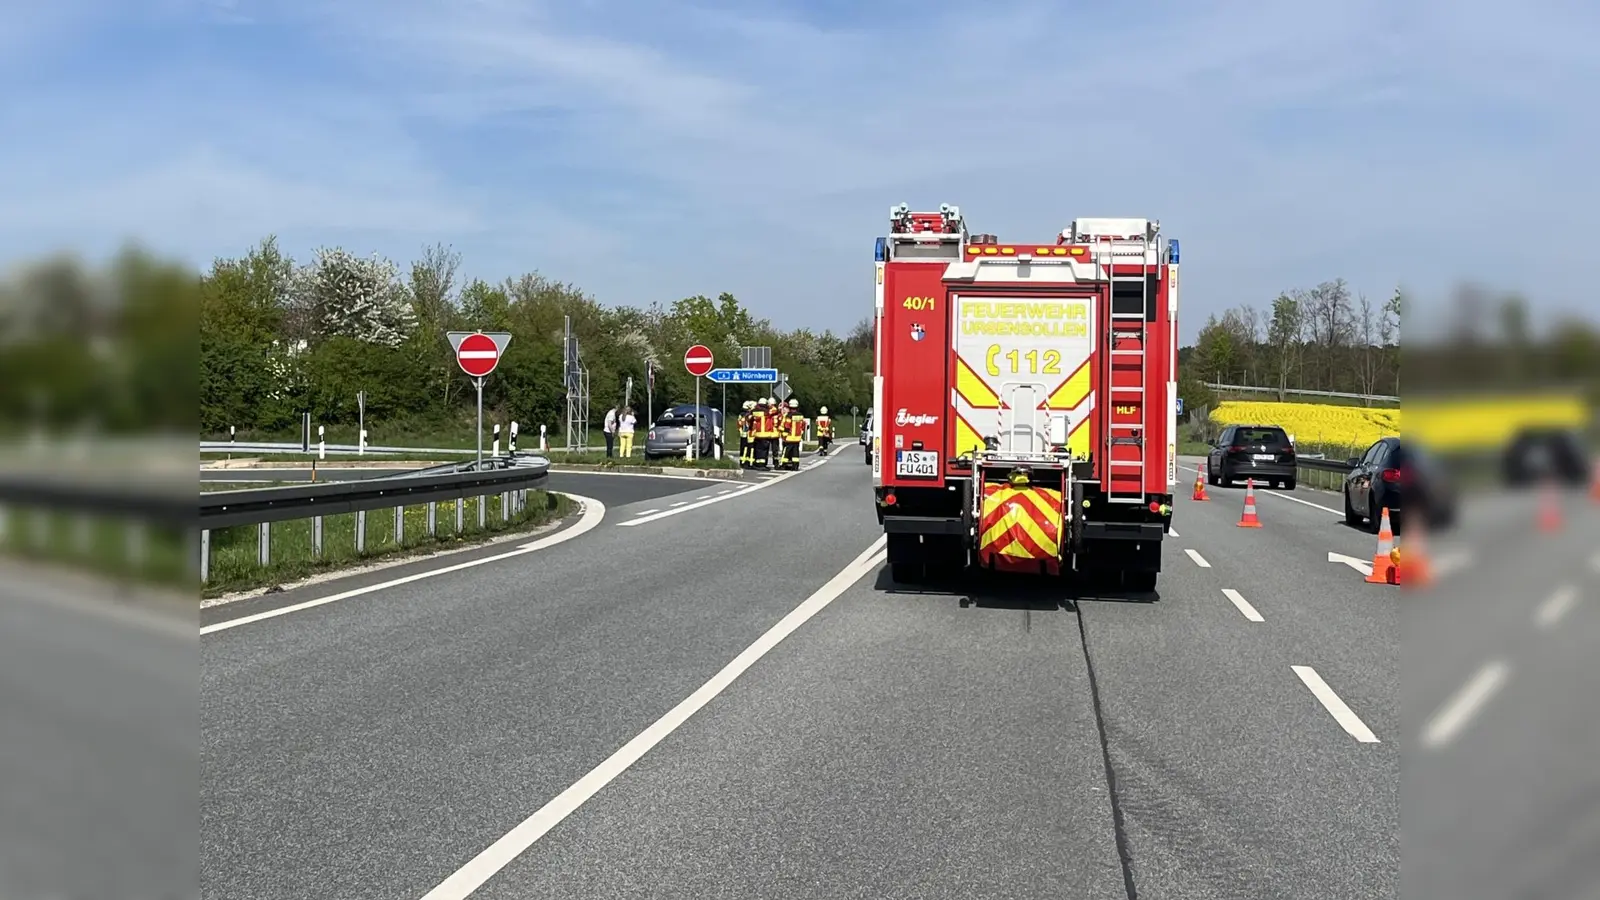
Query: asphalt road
{"type": "Point", "coordinates": [616, 716]}
{"type": "Point", "coordinates": [98, 744]}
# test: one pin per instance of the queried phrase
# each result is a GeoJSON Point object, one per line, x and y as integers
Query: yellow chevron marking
{"type": "Point", "coordinates": [973, 389]}
{"type": "Point", "coordinates": [1073, 391]}
{"type": "Point", "coordinates": [1078, 441]}
{"type": "Point", "coordinates": [967, 438]}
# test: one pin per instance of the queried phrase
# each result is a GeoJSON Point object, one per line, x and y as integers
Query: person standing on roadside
{"type": "Point", "coordinates": [609, 428]}
{"type": "Point", "coordinates": [625, 430]}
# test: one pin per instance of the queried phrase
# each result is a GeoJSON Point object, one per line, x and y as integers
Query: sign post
{"type": "Point", "coordinates": [698, 361]}
{"type": "Point", "coordinates": [478, 354]}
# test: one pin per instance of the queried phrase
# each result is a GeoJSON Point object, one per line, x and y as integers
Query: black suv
{"type": "Point", "coordinates": [1262, 452]}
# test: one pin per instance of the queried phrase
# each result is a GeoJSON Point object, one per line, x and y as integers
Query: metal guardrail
{"type": "Point", "coordinates": [509, 477]}
{"type": "Point", "coordinates": [139, 499]}
{"type": "Point", "coordinates": [1259, 389]}
{"type": "Point", "coordinates": [1320, 464]}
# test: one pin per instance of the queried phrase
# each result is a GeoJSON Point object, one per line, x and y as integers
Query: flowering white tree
{"type": "Point", "coordinates": [355, 297]}
{"type": "Point", "coordinates": [285, 366]}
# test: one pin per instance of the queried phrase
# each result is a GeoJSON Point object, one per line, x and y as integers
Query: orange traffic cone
{"type": "Point", "coordinates": [1249, 520]}
{"type": "Point", "coordinates": [1383, 567]}
{"type": "Point", "coordinates": [1411, 561]}
{"type": "Point", "coordinates": [1549, 510]}
{"type": "Point", "coordinates": [1200, 486]}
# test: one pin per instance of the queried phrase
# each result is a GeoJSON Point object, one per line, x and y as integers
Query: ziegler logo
{"type": "Point", "coordinates": [902, 418]}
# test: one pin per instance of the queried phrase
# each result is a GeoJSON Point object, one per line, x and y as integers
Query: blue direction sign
{"type": "Point", "coordinates": [743, 376]}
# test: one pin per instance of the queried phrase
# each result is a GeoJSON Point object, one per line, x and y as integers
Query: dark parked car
{"type": "Point", "coordinates": [1539, 455]}
{"type": "Point", "coordinates": [1262, 452]}
{"type": "Point", "coordinates": [669, 434]}
{"type": "Point", "coordinates": [1397, 475]}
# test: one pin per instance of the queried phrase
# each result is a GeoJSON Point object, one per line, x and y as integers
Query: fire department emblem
{"type": "Point", "coordinates": [917, 332]}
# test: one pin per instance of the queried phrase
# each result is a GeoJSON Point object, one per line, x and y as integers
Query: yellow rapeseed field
{"type": "Point", "coordinates": [1313, 423]}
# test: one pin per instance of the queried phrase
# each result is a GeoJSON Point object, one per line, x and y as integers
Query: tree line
{"type": "Point", "coordinates": [281, 338]}
{"type": "Point", "coordinates": [1318, 339]}
{"type": "Point", "coordinates": [98, 350]}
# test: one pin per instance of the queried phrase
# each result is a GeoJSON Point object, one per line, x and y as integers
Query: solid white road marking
{"type": "Point", "coordinates": [1243, 604]}
{"type": "Point", "coordinates": [110, 608]}
{"type": "Point", "coordinates": [1198, 559]}
{"type": "Point", "coordinates": [1292, 498]}
{"type": "Point", "coordinates": [1360, 565]}
{"type": "Point", "coordinates": [1465, 704]}
{"type": "Point", "coordinates": [764, 483]}
{"type": "Point", "coordinates": [1336, 707]}
{"type": "Point", "coordinates": [593, 512]}
{"type": "Point", "coordinates": [498, 855]}
{"type": "Point", "coordinates": [1551, 611]}
{"type": "Point", "coordinates": [559, 469]}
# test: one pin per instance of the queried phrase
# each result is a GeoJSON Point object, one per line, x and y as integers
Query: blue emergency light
{"type": "Point", "coordinates": [1172, 250]}
{"type": "Point", "coordinates": [880, 252]}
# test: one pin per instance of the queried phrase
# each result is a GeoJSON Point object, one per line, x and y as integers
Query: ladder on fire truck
{"type": "Point", "coordinates": [1118, 243]}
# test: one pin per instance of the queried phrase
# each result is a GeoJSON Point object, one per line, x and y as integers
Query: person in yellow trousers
{"type": "Point", "coordinates": [824, 431]}
{"type": "Point", "coordinates": [746, 443]}
{"type": "Point", "coordinates": [793, 433]}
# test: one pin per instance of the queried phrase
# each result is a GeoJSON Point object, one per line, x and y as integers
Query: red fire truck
{"type": "Point", "coordinates": [1025, 397]}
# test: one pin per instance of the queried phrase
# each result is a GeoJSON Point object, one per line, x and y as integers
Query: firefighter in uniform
{"type": "Point", "coordinates": [766, 428]}
{"type": "Point", "coordinates": [793, 433]}
{"type": "Point", "coordinates": [746, 451]}
{"type": "Point", "coordinates": [824, 431]}
{"type": "Point", "coordinates": [774, 458]}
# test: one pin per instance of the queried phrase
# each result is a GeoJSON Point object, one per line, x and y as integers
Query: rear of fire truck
{"type": "Point", "coordinates": [1026, 398]}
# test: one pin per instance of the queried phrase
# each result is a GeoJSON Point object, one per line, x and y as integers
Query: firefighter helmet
{"type": "Point", "coordinates": [822, 411]}
{"type": "Point", "coordinates": [749, 404]}
{"type": "Point", "coordinates": [794, 403]}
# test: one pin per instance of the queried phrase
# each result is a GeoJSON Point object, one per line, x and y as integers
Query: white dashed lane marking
{"type": "Point", "coordinates": [1343, 714]}
{"type": "Point", "coordinates": [1552, 610]}
{"type": "Point", "coordinates": [1465, 704]}
{"type": "Point", "coordinates": [1242, 604]}
{"type": "Point", "coordinates": [1198, 559]}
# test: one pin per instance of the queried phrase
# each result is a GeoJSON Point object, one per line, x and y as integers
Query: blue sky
{"type": "Point", "coordinates": [648, 150]}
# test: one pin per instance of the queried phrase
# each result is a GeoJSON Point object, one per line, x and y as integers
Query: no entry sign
{"type": "Point", "coordinates": [477, 352]}
{"type": "Point", "coordinates": [697, 360]}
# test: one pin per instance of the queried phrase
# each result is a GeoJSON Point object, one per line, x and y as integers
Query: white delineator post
{"type": "Point", "coordinates": [544, 444]}
{"type": "Point", "coordinates": [496, 445]}
{"type": "Point", "coordinates": [322, 442]}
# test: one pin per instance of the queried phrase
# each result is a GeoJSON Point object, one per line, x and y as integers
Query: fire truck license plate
{"type": "Point", "coordinates": [916, 463]}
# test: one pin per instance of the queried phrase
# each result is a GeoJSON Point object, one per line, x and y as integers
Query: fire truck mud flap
{"type": "Point", "coordinates": [1126, 547]}
{"type": "Point", "coordinates": [1019, 529]}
